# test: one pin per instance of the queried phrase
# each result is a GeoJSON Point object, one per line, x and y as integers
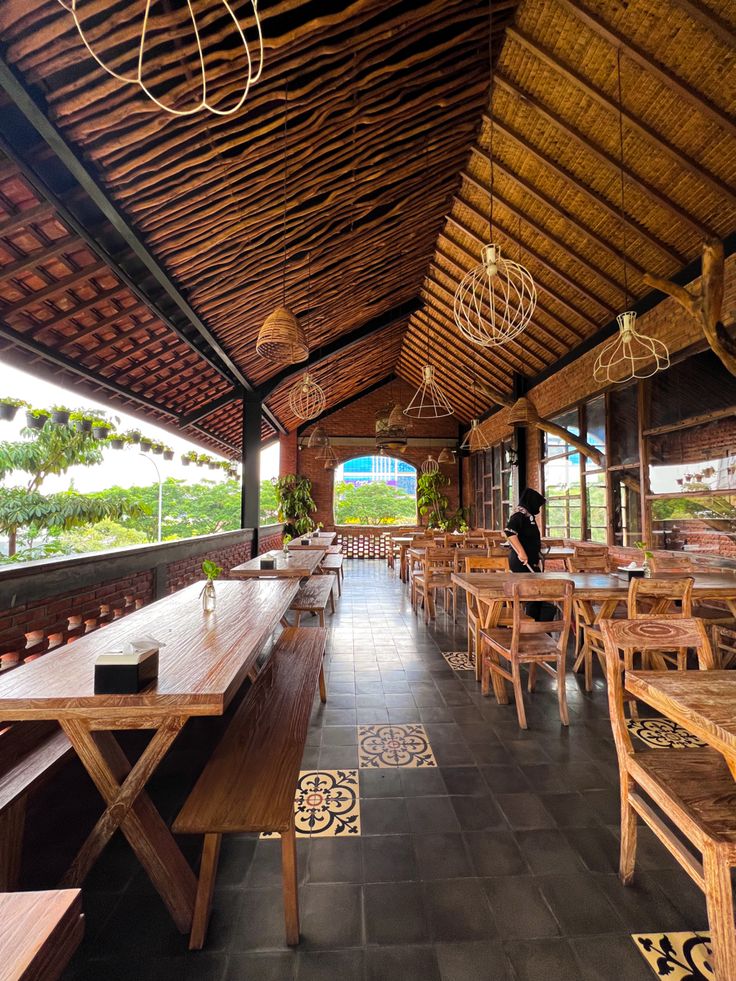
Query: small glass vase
{"type": "Point", "coordinates": [209, 597]}
{"type": "Point", "coordinates": [647, 569]}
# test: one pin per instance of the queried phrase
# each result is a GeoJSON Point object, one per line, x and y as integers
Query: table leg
{"type": "Point", "coordinates": [129, 808]}
{"type": "Point", "coordinates": [489, 614]}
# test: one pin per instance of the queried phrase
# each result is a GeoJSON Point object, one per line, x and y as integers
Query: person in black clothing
{"type": "Point", "coordinates": [523, 533]}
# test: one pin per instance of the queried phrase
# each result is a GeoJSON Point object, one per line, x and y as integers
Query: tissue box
{"type": "Point", "coordinates": [304, 541]}
{"type": "Point", "coordinates": [632, 573]}
{"type": "Point", "coordinates": [126, 673]}
{"type": "Point", "coordinates": [268, 562]}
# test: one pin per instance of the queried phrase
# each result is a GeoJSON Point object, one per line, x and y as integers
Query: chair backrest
{"type": "Point", "coordinates": [590, 551]}
{"type": "Point", "coordinates": [441, 560]}
{"type": "Point", "coordinates": [628, 636]}
{"type": "Point", "coordinates": [440, 541]}
{"type": "Point", "coordinates": [672, 563]}
{"type": "Point", "coordinates": [539, 590]}
{"type": "Point", "coordinates": [475, 541]}
{"type": "Point", "coordinates": [486, 563]}
{"type": "Point", "coordinates": [553, 543]}
{"type": "Point", "coordinates": [725, 646]}
{"type": "Point", "coordinates": [587, 563]}
{"type": "Point", "coordinates": [657, 597]}
{"type": "Point", "coordinates": [497, 552]}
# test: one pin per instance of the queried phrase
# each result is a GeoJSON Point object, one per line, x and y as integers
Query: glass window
{"type": "Point", "coordinates": [626, 496]}
{"type": "Point", "coordinates": [624, 435]}
{"type": "Point", "coordinates": [375, 490]}
{"type": "Point", "coordinates": [695, 523]}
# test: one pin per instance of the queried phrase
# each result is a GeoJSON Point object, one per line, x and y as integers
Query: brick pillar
{"type": "Point", "coordinates": [288, 454]}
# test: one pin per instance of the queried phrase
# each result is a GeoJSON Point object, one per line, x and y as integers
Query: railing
{"type": "Point", "coordinates": [366, 541]}
{"type": "Point", "coordinates": [50, 602]}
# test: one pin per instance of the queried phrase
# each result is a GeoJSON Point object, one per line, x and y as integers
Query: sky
{"type": "Point", "coordinates": [124, 468]}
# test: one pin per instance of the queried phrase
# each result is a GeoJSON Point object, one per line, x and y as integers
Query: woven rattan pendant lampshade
{"type": "Point", "coordinates": [630, 354]}
{"type": "Point", "coordinates": [495, 300]}
{"type": "Point", "coordinates": [282, 338]}
{"type": "Point", "coordinates": [429, 401]}
{"type": "Point", "coordinates": [447, 455]}
{"type": "Point", "coordinates": [330, 458]}
{"type": "Point", "coordinates": [307, 399]}
{"type": "Point", "coordinates": [475, 440]}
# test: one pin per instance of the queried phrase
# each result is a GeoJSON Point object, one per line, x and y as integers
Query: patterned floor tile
{"type": "Point", "coordinates": [677, 956]}
{"type": "Point", "coordinates": [394, 745]}
{"type": "Point", "coordinates": [326, 805]}
{"type": "Point", "coordinates": [460, 660]}
{"type": "Point", "coordinates": [662, 734]}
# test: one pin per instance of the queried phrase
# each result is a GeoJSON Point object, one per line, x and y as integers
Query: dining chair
{"type": "Point", "coordinates": [692, 789]}
{"type": "Point", "coordinates": [529, 642]}
{"type": "Point", "coordinates": [585, 559]}
{"type": "Point", "coordinates": [480, 563]}
{"type": "Point", "coordinates": [436, 576]}
{"type": "Point", "coordinates": [725, 646]}
{"type": "Point", "coordinates": [683, 565]}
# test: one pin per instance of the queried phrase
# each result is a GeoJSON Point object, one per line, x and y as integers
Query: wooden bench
{"type": "Point", "coordinates": [40, 932]}
{"type": "Point", "coordinates": [250, 781]}
{"type": "Point", "coordinates": [334, 550]}
{"type": "Point", "coordinates": [334, 565]}
{"type": "Point", "coordinates": [313, 597]}
{"type": "Point", "coordinates": [29, 754]}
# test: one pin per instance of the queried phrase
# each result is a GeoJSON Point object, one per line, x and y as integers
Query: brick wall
{"type": "Point", "coordinates": [288, 453]}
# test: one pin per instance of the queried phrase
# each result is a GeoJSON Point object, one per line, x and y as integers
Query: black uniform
{"type": "Point", "coordinates": [523, 523]}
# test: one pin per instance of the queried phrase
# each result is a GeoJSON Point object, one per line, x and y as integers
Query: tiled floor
{"type": "Point", "coordinates": [497, 863]}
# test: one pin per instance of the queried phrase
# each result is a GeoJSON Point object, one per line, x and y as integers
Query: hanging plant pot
{"type": "Point", "coordinates": [168, 454]}
{"type": "Point", "coordinates": [134, 436]}
{"type": "Point", "coordinates": [60, 416]}
{"type": "Point", "coordinates": [146, 445]}
{"type": "Point", "coordinates": [157, 448]}
{"type": "Point", "coordinates": [8, 411]}
{"type": "Point", "coordinates": [36, 421]}
{"type": "Point", "coordinates": [83, 425]}
{"type": "Point", "coordinates": [100, 432]}
{"type": "Point", "coordinates": [213, 466]}
{"type": "Point", "coordinates": [117, 443]}
{"type": "Point", "coordinates": [185, 460]}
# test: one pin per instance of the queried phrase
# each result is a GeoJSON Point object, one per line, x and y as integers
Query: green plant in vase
{"type": "Point", "coordinates": [285, 540]}
{"type": "Point", "coordinates": [646, 556]}
{"type": "Point", "coordinates": [209, 598]}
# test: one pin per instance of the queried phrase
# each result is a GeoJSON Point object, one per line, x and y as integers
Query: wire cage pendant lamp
{"type": "Point", "coordinates": [307, 398]}
{"type": "Point", "coordinates": [149, 39]}
{"type": "Point", "coordinates": [629, 354]}
{"type": "Point", "coordinates": [475, 439]}
{"type": "Point", "coordinates": [495, 300]}
{"type": "Point", "coordinates": [430, 466]}
{"type": "Point", "coordinates": [330, 459]}
{"type": "Point", "coordinates": [429, 401]}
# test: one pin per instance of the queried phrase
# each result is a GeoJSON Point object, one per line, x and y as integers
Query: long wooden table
{"type": "Point", "coordinates": [205, 660]}
{"type": "Point", "coordinates": [703, 702]}
{"type": "Point", "coordinates": [297, 564]}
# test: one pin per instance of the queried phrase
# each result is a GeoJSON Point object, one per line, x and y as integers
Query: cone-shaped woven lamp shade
{"type": "Point", "coordinates": [446, 456]}
{"type": "Point", "coordinates": [430, 465]}
{"type": "Point", "coordinates": [330, 458]}
{"type": "Point", "coordinates": [317, 438]}
{"type": "Point", "coordinates": [630, 354]}
{"type": "Point", "coordinates": [397, 419]}
{"type": "Point", "coordinates": [495, 300]}
{"type": "Point", "coordinates": [475, 440]}
{"type": "Point", "coordinates": [429, 401]}
{"type": "Point", "coordinates": [307, 399]}
{"type": "Point", "coordinates": [282, 338]}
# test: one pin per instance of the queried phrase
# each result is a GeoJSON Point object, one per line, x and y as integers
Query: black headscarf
{"type": "Point", "coordinates": [531, 500]}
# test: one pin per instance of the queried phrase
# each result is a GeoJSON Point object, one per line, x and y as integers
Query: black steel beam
{"type": "Point", "coordinates": [250, 489]}
{"type": "Point", "coordinates": [341, 344]}
{"type": "Point", "coordinates": [31, 109]}
{"type": "Point", "coordinates": [391, 376]}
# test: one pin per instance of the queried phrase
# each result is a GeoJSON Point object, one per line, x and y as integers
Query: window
{"type": "Point", "coordinates": [494, 486]}
{"type": "Point", "coordinates": [375, 490]}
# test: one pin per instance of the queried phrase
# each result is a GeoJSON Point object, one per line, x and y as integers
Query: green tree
{"type": "Point", "coordinates": [99, 537]}
{"type": "Point", "coordinates": [41, 453]}
{"type": "Point", "coordinates": [374, 503]}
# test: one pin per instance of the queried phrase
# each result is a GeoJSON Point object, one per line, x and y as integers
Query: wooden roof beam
{"type": "Point", "coordinates": [688, 164]}
{"type": "Point", "coordinates": [208, 408]}
{"type": "Point", "coordinates": [646, 61]}
{"type": "Point", "coordinates": [81, 308]}
{"type": "Point", "coordinates": [722, 30]}
{"type": "Point", "coordinates": [127, 312]}
{"type": "Point", "coordinates": [22, 219]}
{"type": "Point", "coordinates": [35, 259]}
{"type": "Point", "coordinates": [75, 279]}
{"type": "Point", "coordinates": [604, 157]}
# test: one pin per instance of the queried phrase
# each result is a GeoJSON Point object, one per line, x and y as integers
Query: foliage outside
{"type": "Point", "coordinates": [432, 502]}
{"type": "Point", "coordinates": [374, 503]}
{"type": "Point", "coordinates": [295, 504]}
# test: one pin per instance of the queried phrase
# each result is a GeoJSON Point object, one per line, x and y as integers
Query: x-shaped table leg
{"type": "Point", "coordinates": [129, 808]}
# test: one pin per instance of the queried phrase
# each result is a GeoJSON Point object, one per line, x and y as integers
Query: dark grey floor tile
{"type": "Point", "coordinates": [395, 913]}
{"type": "Point", "coordinates": [422, 782]}
{"type": "Point", "coordinates": [597, 848]}
{"type": "Point", "coordinates": [458, 910]}
{"type": "Point", "coordinates": [570, 810]}
{"type": "Point", "coordinates": [383, 782]}
{"type": "Point", "coordinates": [524, 811]}
{"type": "Point", "coordinates": [683, 894]}
{"type": "Point", "coordinates": [610, 958]}
{"type": "Point", "coordinates": [544, 960]}
{"type": "Point", "coordinates": [339, 736]}
{"type": "Point", "coordinates": [642, 906]}
{"type": "Point", "coordinates": [260, 921]}
{"type": "Point", "coordinates": [335, 860]}
{"type": "Point", "coordinates": [389, 858]}
{"type": "Point", "coordinates": [519, 908]}
{"type": "Point", "coordinates": [338, 757]}
{"type": "Point", "coordinates": [473, 961]}
{"type": "Point", "coordinates": [547, 852]}
{"type": "Point", "coordinates": [329, 965]}
{"type": "Point", "coordinates": [264, 967]}
{"type": "Point", "coordinates": [580, 904]}
{"type": "Point", "coordinates": [431, 814]}
{"type": "Point", "coordinates": [495, 853]}
{"type": "Point", "coordinates": [331, 915]}
{"type": "Point", "coordinates": [384, 816]}
{"type": "Point", "coordinates": [441, 856]}
{"type": "Point", "coordinates": [402, 964]}
{"type": "Point", "coordinates": [265, 867]}
{"type": "Point", "coordinates": [504, 779]}
{"type": "Point", "coordinates": [477, 813]}
{"type": "Point", "coordinates": [464, 780]}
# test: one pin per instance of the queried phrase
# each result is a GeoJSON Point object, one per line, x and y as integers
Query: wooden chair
{"type": "Point", "coordinates": [585, 560]}
{"type": "Point", "coordinates": [529, 642]}
{"type": "Point", "coordinates": [436, 576]}
{"type": "Point", "coordinates": [692, 787]}
{"type": "Point", "coordinates": [650, 598]}
{"type": "Point", "coordinates": [683, 566]}
{"type": "Point", "coordinates": [725, 646]}
{"type": "Point", "coordinates": [599, 552]}
{"type": "Point", "coordinates": [480, 563]}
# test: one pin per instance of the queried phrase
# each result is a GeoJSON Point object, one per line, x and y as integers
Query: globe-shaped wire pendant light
{"type": "Point", "coordinates": [430, 465]}
{"type": "Point", "coordinates": [429, 401]}
{"type": "Point", "coordinates": [307, 399]}
{"type": "Point", "coordinates": [148, 42]}
{"type": "Point", "coordinates": [495, 300]}
{"type": "Point", "coordinates": [475, 439]}
{"type": "Point", "coordinates": [630, 354]}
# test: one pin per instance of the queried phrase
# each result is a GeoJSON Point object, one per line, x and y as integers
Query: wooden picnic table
{"type": "Point", "coordinates": [311, 544]}
{"type": "Point", "coordinates": [204, 662]}
{"type": "Point", "coordinates": [296, 564]}
{"type": "Point", "coordinates": [703, 702]}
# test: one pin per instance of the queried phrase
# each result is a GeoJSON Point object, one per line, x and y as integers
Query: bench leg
{"type": "Point", "coordinates": [298, 618]}
{"type": "Point", "coordinates": [205, 890]}
{"type": "Point", "coordinates": [322, 687]}
{"type": "Point", "coordinates": [332, 601]}
{"type": "Point", "coordinates": [289, 876]}
{"type": "Point", "coordinates": [321, 615]}
{"type": "Point", "coordinates": [12, 823]}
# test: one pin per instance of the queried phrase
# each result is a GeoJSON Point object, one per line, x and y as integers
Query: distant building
{"type": "Point", "coordinates": [383, 469]}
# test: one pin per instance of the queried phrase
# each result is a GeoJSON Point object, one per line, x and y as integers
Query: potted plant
{"type": "Point", "coordinates": [81, 421]}
{"type": "Point", "coordinates": [203, 459]}
{"type": "Point", "coordinates": [8, 407]}
{"type": "Point", "coordinates": [157, 448]}
{"type": "Point", "coordinates": [118, 440]}
{"type": "Point", "coordinates": [100, 427]}
{"type": "Point", "coordinates": [168, 453]}
{"type": "Point", "coordinates": [60, 414]}
{"type": "Point", "coordinates": [146, 444]}
{"type": "Point", "coordinates": [293, 494]}
{"type": "Point", "coordinates": [209, 597]}
{"type": "Point", "coordinates": [431, 499]}
{"type": "Point", "coordinates": [285, 539]}
{"type": "Point", "coordinates": [189, 457]}
{"type": "Point", "coordinates": [213, 464]}
{"type": "Point", "coordinates": [134, 436]}
{"type": "Point", "coordinates": [36, 418]}
{"type": "Point", "coordinates": [647, 556]}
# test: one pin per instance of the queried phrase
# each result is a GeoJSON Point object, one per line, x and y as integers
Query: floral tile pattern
{"type": "Point", "coordinates": [326, 804]}
{"type": "Point", "coordinates": [663, 734]}
{"type": "Point", "coordinates": [394, 745]}
{"type": "Point", "coordinates": [460, 660]}
{"type": "Point", "coordinates": [677, 956]}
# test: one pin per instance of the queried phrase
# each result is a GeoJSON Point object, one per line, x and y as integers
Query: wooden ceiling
{"type": "Point", "coordinates": [149, 289]}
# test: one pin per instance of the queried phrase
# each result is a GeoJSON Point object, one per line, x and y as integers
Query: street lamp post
{"type": "Point", "coordinates": [160, 491]}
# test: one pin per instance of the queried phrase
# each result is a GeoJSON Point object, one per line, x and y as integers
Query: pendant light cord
{"type": "Point", "coordinates": [621, 175]}
{"type": "Point", "coordinates": [490, 113]}
{"type": "Point", "coordinates": [286, 139]}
